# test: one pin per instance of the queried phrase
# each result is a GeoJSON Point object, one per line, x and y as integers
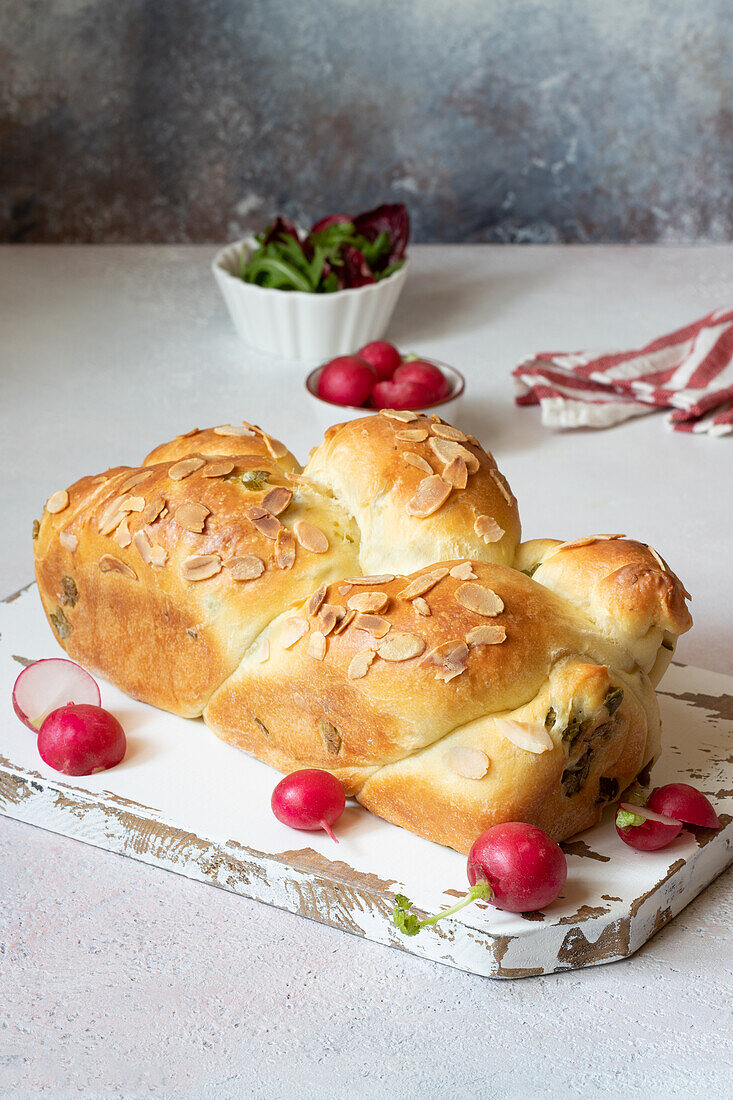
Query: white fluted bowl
{"type": "Point", "coordinates": [298, 325]}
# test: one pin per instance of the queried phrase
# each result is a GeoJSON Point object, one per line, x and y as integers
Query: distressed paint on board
{"type": "Point", "coordinates": [191, 832]}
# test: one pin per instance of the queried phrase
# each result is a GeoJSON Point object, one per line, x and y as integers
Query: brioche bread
{"type": "Point", "coordinates": [373, 614]}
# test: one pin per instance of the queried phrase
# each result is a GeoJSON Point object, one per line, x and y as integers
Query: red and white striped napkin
{"type": "Point", "coordinates": [689, 372]}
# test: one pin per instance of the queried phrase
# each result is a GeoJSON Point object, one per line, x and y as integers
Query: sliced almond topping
{"type": "Point", "coordinates": [531, 736]}
{"type": "Point", "coordinates": [385, 578]}
{"type": "Point", "coordinates": [412, 435]}
{"type": "Point", "coordinates": [191, 516]}
{"type": "Point", "coordinates": [68, 540]}
{"type": "Point", "coordinates": [659, 560]}
{"type": "Point", "coordinates": [152, 510]}
{"type": "Point", "coordinates": [266, 524]}
{"type": "Point", "coordinates": [403, 415]}
{"type": "Point", "coordinates": [151, 552]}
{"type": "Point", "coordinates": [345, 621]}
{"type": "Point", "coordinates": [133, 480]}
{"type": "Point", "coordinates": [291, 631]}
{"type": "Point", "coordinates": [122, 535]}
{"type": "Point", "coordinates": [246, 567]}
{"type": "Point", "coordinates": [488, 529]}
{"type": "Point", "coordinates": [277, 500]}
{"type": "Point", "coordinates": [421, 606]}
{"type": "Point", "coordinates": [200, 568]}
{"type": "Point", "coordinates": [474, 597]}
{"type": "Point", "coordinates": [274, 446]}
{"type": "Point", "coordinates": [432, 493]}
{"type": "Point", "coordinates": [463, 572]}
{"type": "Point", "coordinates": [262, 652]}
{"type": "Point", "coordinates": [233, 429]}
{"type": "Point", "coordinates": [343, 589]}
{"type": "Point", "coordinates": [359, 665]}
{"type": "Point", "coordinates": [185, 435]}
{"type": "Point", "coordinates": [142, 545]}
{"type": "Point", "coordinates": [285, 549]}
{"type": "Point", "coordinates": [374, 624]}
{"type": "Point", "coordinates": [418, 462]}
{"type": "Point", "coordinates": [423, 584]}
{"type": "Point", "coordinates": [470, 763]}
{"type": "Point", "coordinates": [187, 466]}
{"type": "Point", "coordinates": [310, 537]}
{"type": "Point", "coordinates": [158, 554]}
{"type": "Point", "coordinates": [317, 599]}
{"type": "Point", "coordinates": [220, 468]}
{"type": "Point", "coordinates": [399, 646]}
{"type": "Point", "coordinates": [456, 473]}
{"type": "Point", "coordinates": [317, 645]}
{"type": "Point", "coordinates": [328, 617]}
{"type": "Point", "coordinates": [368, 601]}
{"type": "Point", "coordinates": [503, 485]}
{"type": "Point", "coordinates": [449, 658]}
{"type": "Point", "coordinates": [112, 516]}
{"type": "Point", "coordinates": [448, 449]}
{"type": "Point", "coordinates": [445, 431]}
{"type": "Point", "coordinates": [109, 564]}
{"type": "Point", "coordinates": [57, 502]}
{"type": "Point", "coordinates": [486, 635]}
{"type": "Point", "coordinates": [134, 504]}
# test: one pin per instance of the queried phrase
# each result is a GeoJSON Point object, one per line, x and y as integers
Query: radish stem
{"type": "Point", "coordinates": [327, 828]}
{"type": "Point", "coordinates": [408, 923]}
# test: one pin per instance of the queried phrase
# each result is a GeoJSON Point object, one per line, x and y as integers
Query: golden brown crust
{"type": "Point", "coordinates": [365, 463]}
{"type": "Point", "coordinates": [476, 680]}
{"type": "Point", "coordinates": [225, 439]}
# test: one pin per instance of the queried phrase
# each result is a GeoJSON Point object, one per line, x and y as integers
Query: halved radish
{"type": "Point", "coordinates": [641, 828]}
{"type": "Point", "coordinates": [48, 684]}
{"type": "Point", "coordinates": [686, 803]}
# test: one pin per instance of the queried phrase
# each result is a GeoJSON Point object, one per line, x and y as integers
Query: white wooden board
{"type": "Point", "coordinates": [187, 802]}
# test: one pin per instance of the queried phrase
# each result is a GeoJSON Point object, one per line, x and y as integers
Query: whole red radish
{"type": "Point", "coordinates": [524, 867]}
{"type": "Point", "coordinates": [642, 828]}
{"type": "Point", "coordinates": [47, 684]}
{"type": "Point", "coordinates": [685, 803]}
{"type": "Point", "coordinates": [425, 374]}
{"type": "Point", "coordinates": [384, 357]}
{"type": "Point", "coordinates": [81, 739]}
{"type": "Point", "coordinates": [309, 799]}
{"type": "Point", "coordinates": [346, 380]}
{"type": "Point", "coordinates": [401, 395]}
{"type": "Point", "coordinates": [514, 866]}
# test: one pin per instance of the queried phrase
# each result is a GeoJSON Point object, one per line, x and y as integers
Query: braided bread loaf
{"type": "Point", "coordinates": [373, 614]}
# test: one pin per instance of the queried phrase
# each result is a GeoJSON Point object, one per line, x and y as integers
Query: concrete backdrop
{"type": "Point", "coordinates": [495, 120]}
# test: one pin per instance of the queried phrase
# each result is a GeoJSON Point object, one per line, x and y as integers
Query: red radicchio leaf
{"type": "Point", "coordinates": [393, 218]}
{"type": "Point", "coordinates": [354, 271]}
{"type": "Point", "coordinates": [329, 220]}
{"type": "Point", "coordinates": [281, 227]}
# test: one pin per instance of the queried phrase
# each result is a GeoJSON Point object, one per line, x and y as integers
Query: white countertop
{"type": "Point", "coordinates": [123, 980]}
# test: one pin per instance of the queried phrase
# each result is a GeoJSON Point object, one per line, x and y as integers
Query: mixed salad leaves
{"type": "Point", "coordinates": [338, 253]}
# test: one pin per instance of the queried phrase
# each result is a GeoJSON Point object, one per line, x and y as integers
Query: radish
{"type": "Point", "coordinates": [514, 866]}
{"type": "Point", "coordinates": [425, 374]}
{"type": "Point", "coordinates": [309, 799]}
{"type": "Point", "coordinates": [685, 803]}
{"type": "Point", "coordinates": [346, 380]}
{"type": "Point", "coordinates": [642, 828]}
{"type": "Point", "coordinates": [401, 395]}
{"type": "Point", "coordinates": [48, 684]}
{"type": "Point", "coordinates": [383, 357]}
{"type": "Point", "coordinates": [81, 739]}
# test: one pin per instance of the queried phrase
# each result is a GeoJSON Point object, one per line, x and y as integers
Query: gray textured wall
{"type": "Point", "coordinates": [504, 120]}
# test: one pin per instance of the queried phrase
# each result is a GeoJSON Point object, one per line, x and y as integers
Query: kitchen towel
{"type": "Point", "coordinates": [689, 372]}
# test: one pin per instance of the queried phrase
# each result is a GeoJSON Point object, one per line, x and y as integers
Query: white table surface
{"type": "Point", "coordinates": [118, 979]}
